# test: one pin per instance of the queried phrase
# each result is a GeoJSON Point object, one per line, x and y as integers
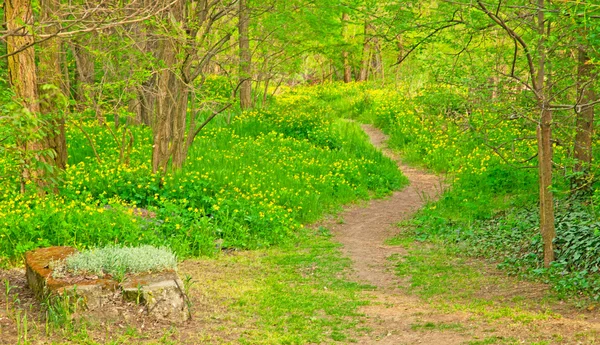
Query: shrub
{"type": "Point", "coordinates": [117, 261]}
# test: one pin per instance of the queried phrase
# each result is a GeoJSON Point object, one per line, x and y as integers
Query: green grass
{"type": "Point", "coordinates": [249, 184]}
{"type": "Point", "coordinates": [295, 295]}
{"type": "Point", "coordinates": [490, 209]}
{"type": "Point", "coordinates": [306, 301]}
{"type": "Point", "coordinates": [438, 273]}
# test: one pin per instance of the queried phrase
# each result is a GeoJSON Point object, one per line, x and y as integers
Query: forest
{"type": "Point", "coordinates": [323, 171]}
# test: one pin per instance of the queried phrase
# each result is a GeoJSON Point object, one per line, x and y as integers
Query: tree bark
{"type": "Point", "coordinates": [52, 98]}
{"type": "Point", "coordinates": [366, 55]}
{"type": "Point", "coordinates": [170, 110]}
{"type": "Point", "coordinates": [545, 177]}
{"type": "Point", "coordinates": [245, 67]}
{"type": "Point", "coordinates": [345, 53]}
{"type": "Point", "coordinates": [23, 80]}
{"type": "Point", "coordinates": [544, 130]}
{"type": "Point", "coordinates": [584, 122]}
{"type": "Point", "coordinates": [85, 77]}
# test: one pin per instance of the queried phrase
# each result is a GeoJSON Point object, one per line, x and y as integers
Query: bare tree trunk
{"type": "Point", "coordinates": [265, 94]}
{"type": "Point", "coordinates": [377, 60]}
{"type": "Point", "coordinates": [171, 99]}
{"type": "Point", "coordinates": [400, 46]}
{"type": "Point", "coordinates": [345, 53]}
{"type": "Point", "coordinates": [166, 104]}
{"type": "Point", "coordinates": [84, 77]}
{"type": "Point", "coordinates": [23, 78]}
{"type": "Point", "coordinates": [366, 55]}
{"type": "Point", "coordinates": [544, 130]}
{"type": "Point", "coordinates": [50, 73]}
{"type": "Point", "coordinates": [178, 54]}
{"type": "Point", "coordinates": [245, 56]}
{"type": "Point", "coordinates": [142, 105]}
{"type": "Point", "coordinates": [585, 121]}
{"type": "Point", "coordinates": [545, 175]}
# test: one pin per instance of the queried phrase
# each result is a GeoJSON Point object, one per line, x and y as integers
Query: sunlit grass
{"type": "Point", "coordinates": [249, 184]}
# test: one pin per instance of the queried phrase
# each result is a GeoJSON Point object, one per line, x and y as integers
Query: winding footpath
{"type": "Point", "coordinates": [393, 313]}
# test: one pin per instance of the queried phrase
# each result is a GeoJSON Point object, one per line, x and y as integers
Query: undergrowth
{"type": "Point", "coordinates": [488, 158]}
{"type": "Point", "coordinates": [118, 261]}
{"type": "Point", "coordinates": [251, 181]}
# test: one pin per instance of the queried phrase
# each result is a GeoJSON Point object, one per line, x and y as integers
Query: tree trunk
{"type": "Point", "coordinates": [585, 122]}
{"type": "Point", "coordinates": [171, 100]}
{"type": "Point", "coordinates": [377, 60]}
{"type": "Point", "coordinates": [84, 77]}
{"type": "Point", "coordinates": [142, 105]}
{"type": "Point", "coordinates": [545, 176]}
{"type": "Point", "coordinates": [345, 53]}
{"type": "Point", "coordinates": [366, 55]}
{"type": "Point", "coordinates": [245, 67]}
{"type": "Point", "coordinates": [52, 99]}
{"type": "Point", "coordinates": [23, 80]}
{"type": "Point", "coordinates": [544, 132]}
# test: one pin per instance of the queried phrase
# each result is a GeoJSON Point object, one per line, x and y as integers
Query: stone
{"type": "Point", "coordinates": [162, 293]}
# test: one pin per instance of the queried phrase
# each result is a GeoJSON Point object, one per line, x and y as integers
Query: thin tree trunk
{"type": "Point", "coordinates": [265, 94]}
{"type": "Point", "coordinates": [345, 53]}
{"type": "Point", "coordinates": [377, 60]}
{"type": "Point", "coordinates": [544, 130]}
{"type": "Point", "coordinates": [165, 103]}
{"type": "Point", "coordinates": [366, 55]}
{"type": "Point", "coordinates": [84, 77]}
{"type": "Point", "coordinates": [169, 128]}
{"type": "Point", "coordinates": [142, 105]}
{"type": "Point", "coordinates": [245, 67]}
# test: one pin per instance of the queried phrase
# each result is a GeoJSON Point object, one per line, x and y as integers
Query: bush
{"type": "Point", "coordinates": [117, 261]}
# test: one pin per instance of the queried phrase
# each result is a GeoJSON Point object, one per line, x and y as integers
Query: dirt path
{"type": "Point", "coordinates": [394, 316]}
{"type": "Point", "coordinates": [365, 229]}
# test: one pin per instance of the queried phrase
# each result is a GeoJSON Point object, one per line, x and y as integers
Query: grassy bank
{"type": "Point", "coordinates": [250, 183]}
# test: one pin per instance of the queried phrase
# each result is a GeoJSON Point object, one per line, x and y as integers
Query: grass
{"type": "Point", "coordinates": [491, 208]}
{"type": "Point", "coordinates": [293, 295]}
{"type": "Point", "coordinates": [248, 184]}
{"type": "Point", "coordinates": [440, 275]}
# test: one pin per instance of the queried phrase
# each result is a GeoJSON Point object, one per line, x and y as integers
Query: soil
{"type": "Point", "coordinates": [395, 315]}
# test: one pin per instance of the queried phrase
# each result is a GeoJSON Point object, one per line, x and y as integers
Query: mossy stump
{"type": "Point", "coordinates": [161, 293]}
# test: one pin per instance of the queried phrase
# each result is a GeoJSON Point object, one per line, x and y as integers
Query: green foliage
{"type": "Point", "coordinates": [19, 128]}
{"type": "Point", "coordinates": [118, 261]}
{"type": "Point", "coordinates": [513, 239]}
{"type": "Point", "coordinates": [489, 208]}
{"type": "Point", "coordinates": [250, 184]}
{"type": "Point", "coordinates": [61, 309]}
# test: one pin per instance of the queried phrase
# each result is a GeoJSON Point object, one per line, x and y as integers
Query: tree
{"type": "Point", "coordinates": [245, 65]}
{"type": "Point", "coordinates": [345, 53]}
{"type": "Point", "coordinates": [52, 104]}
{"type": "Point", "coordinates": [186, 48]}
{"type": "Point", "coordinates": [23, 81]}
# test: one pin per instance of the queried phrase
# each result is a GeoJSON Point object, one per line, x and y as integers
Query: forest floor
{"type": "Point", "coordinates": [425, 294]}
{"type": "Point", "coordinates": [393, 292]}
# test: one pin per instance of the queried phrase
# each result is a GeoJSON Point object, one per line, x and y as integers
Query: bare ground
{"type": "Point", "coordinates": [396, 316]}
